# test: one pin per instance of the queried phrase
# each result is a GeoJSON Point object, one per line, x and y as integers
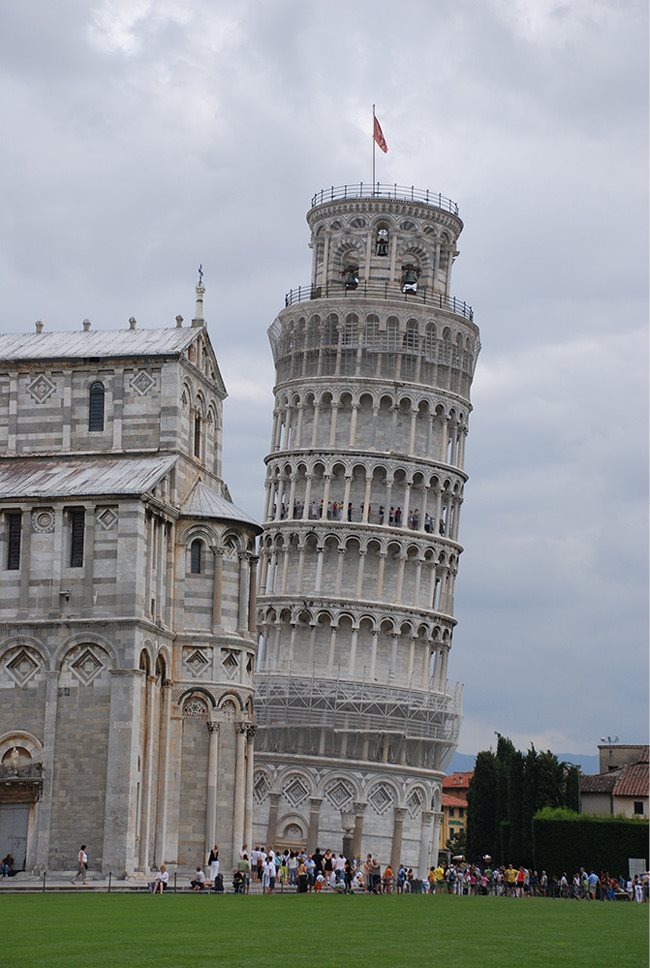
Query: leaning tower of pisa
{"type": "Point", "coordinates": [374, 360]}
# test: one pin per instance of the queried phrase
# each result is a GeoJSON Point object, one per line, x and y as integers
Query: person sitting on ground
{"type": "Point", "coordinates": [199, 881]}
{"type": "Point", "coordinates": [160, 881]}
{"type": "Point", "coordinates": [7, 866]}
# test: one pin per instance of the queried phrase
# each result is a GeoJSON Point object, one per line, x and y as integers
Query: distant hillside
{"type": "Point", "coordinates": [588, 764]}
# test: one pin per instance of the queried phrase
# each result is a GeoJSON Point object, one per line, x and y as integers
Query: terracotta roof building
{"type": "Point", "coordinates": [619, 791]}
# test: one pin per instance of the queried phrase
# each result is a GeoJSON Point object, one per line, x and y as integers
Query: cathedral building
{"type": "Point", "coordinates": [127, 603]}
{"type": "Point", "coordinates": [356, 716]}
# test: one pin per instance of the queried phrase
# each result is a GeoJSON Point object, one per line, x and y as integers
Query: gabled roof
{"type": "Point", "coordinates": [634, 781]}
{"type": "Point", "coordinates": [96, 343]}
{"type": "Point", "coordinates": [631, 780]}
{"type": "Point", "coordinates": [599, 782]}
{"type": "Point", "coordinates": [80, 477]}
{"type": "Point", "coordinates": [204, 502]}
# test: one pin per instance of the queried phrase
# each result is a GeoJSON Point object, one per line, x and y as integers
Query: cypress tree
{"type": "Point", "coordinates": [482, 824]}
{"type": "Point", "coordinates": [572, 788]}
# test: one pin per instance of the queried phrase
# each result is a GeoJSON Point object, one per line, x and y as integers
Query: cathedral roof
{"type": "Point", "coordinates": [96, 343]}
{"type": "Point", "coordinates": [203, 502]}
{"type": "Point", "coordinates": [80, 477]}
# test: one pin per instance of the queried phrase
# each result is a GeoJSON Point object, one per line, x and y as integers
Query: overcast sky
{"type": "Point", "coordinates": [142, 137]}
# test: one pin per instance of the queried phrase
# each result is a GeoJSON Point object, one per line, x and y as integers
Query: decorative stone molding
{"type": "Point", "coordinates": [43, 520]}
{"type": "Point", "coordinates": [41, 388]}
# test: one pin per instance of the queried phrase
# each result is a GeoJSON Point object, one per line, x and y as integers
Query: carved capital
{"type": "Point", "coordinates": [359, 807]}
{"type": "Point", "coordinates": [213, 727]}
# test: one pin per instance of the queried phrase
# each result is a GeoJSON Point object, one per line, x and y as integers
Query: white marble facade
{"type": "Point", "coordinates": [374, 359]}
{"type": "Point", "coordinates": [127, 603]}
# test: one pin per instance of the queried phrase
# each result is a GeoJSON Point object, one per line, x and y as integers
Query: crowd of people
{"type": "Point", "coordinates": [328, 871]}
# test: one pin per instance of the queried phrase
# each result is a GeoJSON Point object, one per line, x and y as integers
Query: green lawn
{"type": "Point", "coordinates": [102, 930]}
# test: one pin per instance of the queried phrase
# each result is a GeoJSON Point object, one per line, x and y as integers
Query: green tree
{"type": "Point", "coordinates": [515, 807]}
{"type": "Point", "coordinates": [507, 789]}
{"type": "Point", "coordinates": [572, 788]}
{"type": "Point", "coordinates": [482, 821]}
{"type": "Point", "coordinates": [551, 776]}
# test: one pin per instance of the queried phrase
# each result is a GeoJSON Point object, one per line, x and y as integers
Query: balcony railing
{"type": "Point", "coordinates": [369, 290]}
{"type": "Point", "coordinates": [381, 190]}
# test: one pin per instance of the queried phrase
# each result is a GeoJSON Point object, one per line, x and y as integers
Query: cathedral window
{"type": "Point", "coordinates": [196, 557]}
{"type": "Point", "coordinates": [77, 525]}
{"type": "Point", "coordinates": [14, 521]}
{"type": "Point", "coordinates": [96, 407]}
{"type": "Point", "coordinates": [197, 435]}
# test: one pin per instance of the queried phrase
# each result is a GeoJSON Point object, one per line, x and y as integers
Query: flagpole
{"type": "Point", "coordinates": [373, 149]}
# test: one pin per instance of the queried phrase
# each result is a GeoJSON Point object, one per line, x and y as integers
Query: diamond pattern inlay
{"type": "Point", "coordinates": [296, 791]}
{"type": "Point", "coordinates": [197, 661]}
{"type": "Point", "coordinates": [414, 803]}
{"type": "Point", "coordinates": [381, 799]}
{"type": "Point", "coordinates": [230, 662]}
{"type": "Point", "coordinates": [22, 667]}
{"type": "Point", "coordinates": [261, 788]}
{"type": "Point", "coordinates": [142, 382]}
{"type": "Point", "coordinates": [339, 794]}
{"type": "Point", "coordinates": [41, 388]}
{"type": "Point", "coordinates": [107, 518]}
{"type": "Point", "coordinates": [87, 667]}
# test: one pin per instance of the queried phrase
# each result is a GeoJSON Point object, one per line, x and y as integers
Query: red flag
{"type": "Point", "coordinates": [378, 135]}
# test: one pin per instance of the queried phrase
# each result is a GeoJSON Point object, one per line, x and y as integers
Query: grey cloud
{"type": "Point", "coordinates": [198, 131]}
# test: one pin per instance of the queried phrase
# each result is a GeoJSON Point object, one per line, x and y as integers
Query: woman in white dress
{"type": "Point", "coordinates": [213, 862]}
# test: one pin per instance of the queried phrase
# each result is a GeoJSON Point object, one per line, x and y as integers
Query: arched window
{"type": "Point", "coordinates": [196, 557]}
{"type": "Point", "coordinates": [96, 406]}
{"type": "Point", "coordinates": [197, 435]}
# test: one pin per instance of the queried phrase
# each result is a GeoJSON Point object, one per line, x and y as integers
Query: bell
{"type": "Point", "coordinates": [351, 279]}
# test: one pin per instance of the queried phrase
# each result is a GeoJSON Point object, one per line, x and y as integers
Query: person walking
{"type": "Point", "coordinates": [82, 869]}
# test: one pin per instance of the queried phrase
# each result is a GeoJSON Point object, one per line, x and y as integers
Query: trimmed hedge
{"type": "Point", "coordinates": [567, 841]}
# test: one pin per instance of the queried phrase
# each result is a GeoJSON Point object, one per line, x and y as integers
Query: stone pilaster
{"type": "Point", "coordinates": [359, 808]}
{"type": "Point", "coordinates": [120, 806]}
{"type": "Point", "coordinates": [426, 857]}
{"type": "Point", "coordinates": [240, 791]}
{"type": "Point", "coordinates": [314, 823]}
{"type": "Point", "coordinates": [248, 805]}
{"type": "Point", "coordinates": [211, 794]}
{"type": "Point", "coordinates": [272, 826]}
